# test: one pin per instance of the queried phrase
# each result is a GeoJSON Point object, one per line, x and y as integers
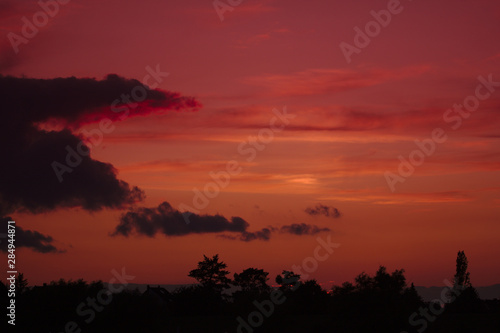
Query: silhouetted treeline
{"type": "Point", "coordinates": [382, 302]}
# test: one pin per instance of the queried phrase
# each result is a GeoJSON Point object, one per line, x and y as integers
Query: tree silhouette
{"type": "Point", "coordinates": [382, 282]}
{"type": "Point", "coordinates": [288, 280]}
{"type": "Point", "coordinates": [21, 283]}
{"type": "Point", "coordinates": [382, 300]}
{"type": "Point", "coordinates": [310, 298]}
{"type": "Point", "coordinates": [462, 276]}
{"type": "Point", "coordinates": [467, 299]}
{"type": "Point", "coordinates": [211, 273]}
{"type": "Point", "coordinates": [345, 289]}
{"type": "Point", "coordinates": [252, 280]}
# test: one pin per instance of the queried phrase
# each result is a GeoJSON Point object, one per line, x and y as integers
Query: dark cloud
{"type": "Point", "coordinates": [263, 234]}
{"type": "Point", "coordinates": [28, 181]}
{"type": "Point", "coordinates": [302, 229]}
{"type": "Point", "coordinates": [169, 221]}
{"type": "Point", "coordinates": [76, 101]}
{"type": "Point", "coordinates": [26, 238]}
{"type": "Point", "coordinates": [323, 210]}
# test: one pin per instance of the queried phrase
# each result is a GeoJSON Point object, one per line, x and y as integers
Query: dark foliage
{"type": "Point", "coordinates": [379, 303]}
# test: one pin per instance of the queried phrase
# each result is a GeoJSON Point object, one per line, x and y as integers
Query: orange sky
{"type": "Point", "coordinates": [352, 121]}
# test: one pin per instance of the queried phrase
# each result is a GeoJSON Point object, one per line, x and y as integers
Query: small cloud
{"type": "Point", "coordinates": [321, 209]}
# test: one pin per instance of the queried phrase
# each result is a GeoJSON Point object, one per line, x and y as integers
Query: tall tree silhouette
{"type": "Point", "coordinates": [467, 298]}
{"type": "Point", "coordinates": [462, 276]}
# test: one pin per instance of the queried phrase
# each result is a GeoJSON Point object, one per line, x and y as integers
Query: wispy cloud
{"type": "Point", "coordinates": [327, 81]}
{"type": "Point", "coordinates": [376, 196]}
{"type": "Point", "coordinates": [256, 39]}
{"type": "Point", "coordinates": [302, 229]}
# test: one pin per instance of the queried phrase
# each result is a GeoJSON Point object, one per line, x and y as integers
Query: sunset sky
{"type": "Point", "coordinates": [350, 121]}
